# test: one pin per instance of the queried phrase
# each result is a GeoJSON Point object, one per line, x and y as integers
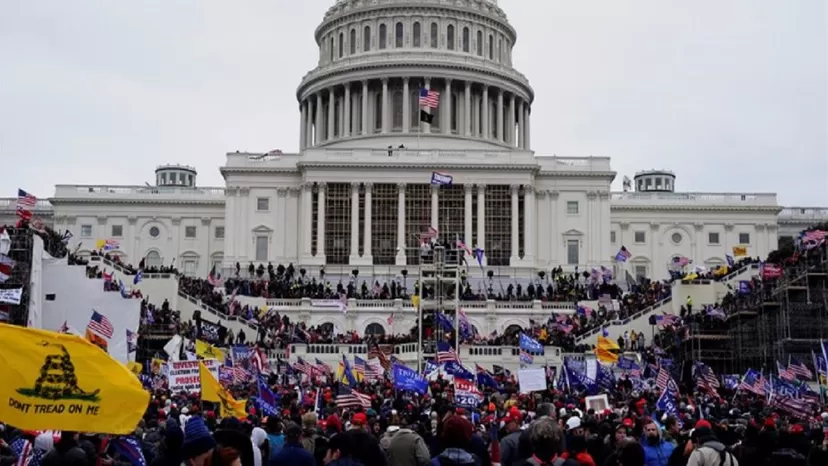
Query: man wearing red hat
{"type": "Point", "coordinates": [709, 451]}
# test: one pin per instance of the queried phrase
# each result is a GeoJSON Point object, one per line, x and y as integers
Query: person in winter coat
{"type": "Point", "coordinates": [169, 452]}
{"type": "Point", "coordinates": [258, 437]}
{"type": "Point", "coordinates": [456, 437]}
{"type": "Point", "coordinates": [657, 451]}
{"type": "Point", "coordinates": [66, 452]}
{"type": "Point", "coordinates": [366, 447]}
{"type": "Point", "coordinates": [293, 453]}
{"type": "Point", "coordinates": [406, 448]}
{"type": "Point", "coordinates": [577, 450]}
{"type": "Point", "coordinates": [709, 450]}
{"type": "Point", "coordinates": [545, 440]}
{"type": "Point", "coordinates": [631, 453]}
{"type": "Point", "coordinates": [340, 452]}
{"type": "Point", "coordinates": [510, 445]}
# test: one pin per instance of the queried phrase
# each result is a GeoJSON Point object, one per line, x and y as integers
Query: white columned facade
{"type": "Point", "coordinates": [280, 233]}
{"type": "Point", "coordinates": [515, 257]}
{"type": "Point", "coordinates": [427, 127]}
{"type": "Point", "coordinates": [364, 107]}
{"type": "Point", "coordinates": [331, 108]}
{"type": "Point", "coordinates": [481, 220]}
{"type": "Point", "coordinates": [435, 205]}
{"type": "Point", "coordinates": [529, 218]}
{"type": "Point", "coordinates": [401, 252]}
{"type": "Point", "coordinates": [354, 223]}
{"type": "Point", "coordinates": [229, 226]}
{"type": "Point", "coordinates": [320, 132]}
{"type": "Point", "coordinates": [320, 220]}
{"type": "Point", "coordinates": [467, 110]}
{"type": "Point", "coordinates": [446, 102]}
{"type": "Point", "coordinates": [346, 120]}
{"type": "Point", "coordinates": [485, 123]}
{"type": "Point", "coordinates": [385, 106]}
{"type": "Point", "coordinates": [554, 231]}
{"type": "Point", "coordinates": [307, 218]}
{"type": "Point", "coordinates": [500, 126]}
{"type": "Point", "coordinates": [303, 128]}
{"type": "Point", "coordinates": [309, 124]}
{"type": "Point", "coordinates": [247, 207]}
{"type": "Point", "coordinates": [521, 126]}
{"type": "Point", "coordinates": [527, 137]}
{"type": "Point", "coordinates": [367, 254]}
{"type": "Point", "coordinates": [510, 122]}
{"type": "Point", "coordinates": [406, 109]}
{"type": "Point", "coordinates": [467, 215]}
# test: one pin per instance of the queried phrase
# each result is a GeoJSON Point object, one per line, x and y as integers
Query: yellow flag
{"type": "Point", "coordinates": [607, 344]}
{"type": "Point", "coordinates": [211, 390]}
{"type": "Point", "coordinates": [605, 355]}
{"type": "Point", "coordinates": [739, 251]}
{"type": "Point", "coordinates": [54, 381]}
{"type": "Point", "coordinates": [135, 368]}
{"type": "Point", "coordinates": [208, 351]}
{"type": "Point", "coordinates": [415, 301]}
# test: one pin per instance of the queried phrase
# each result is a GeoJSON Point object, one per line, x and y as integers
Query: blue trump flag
{"type": "Point", "coordinates": [130, 449]}
{"type": "Point", "coordinates": [667, 402]}
{"type": "Point", "coordinates": [267, 401]}
{"type": "Point", "coordinates": [456, 369]}
{"type": "Point", "coordinates": [529, 344]}
{"type": "Point", "coordinates": [406, 379]}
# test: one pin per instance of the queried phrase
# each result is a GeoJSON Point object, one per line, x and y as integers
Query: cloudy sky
{"type": "Point", "coordinates": [731, 95]}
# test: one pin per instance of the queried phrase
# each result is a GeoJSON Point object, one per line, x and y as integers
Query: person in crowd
{"type": "Point", "coordinates": [312, 439]}
{"type": "Point", "coordinates": [341, 451]}
{"type": "Point", "coordinates": [631, 453]}
{"type": "Point", "coordinates": [67, 452]}
{"type": "Point", "coordinates": [510, 454]}
{"type": "Point", "coordinates": [545, 439]}
{"type": "Point", "coordinates": [407, 448]}
{"type": "Point", "coordinates": [366, 447]}
{"type": "Point", "coordinates": [657, 451]}
{"type": "Point", "coordinates": [709, 450]}
{"type": "Point", "coordinates": [293, 453]}
{"type": "Point", "coordinates": [169, 453]}
{"type": "Point", "coordinates": [198, 443]}
{"type": "Point", "coordinates": [258, 437]}
{"type": "Point", "coordinates": [577, 450]}
{"type": "Point", "coordinates": [275, 437]}
{"type": "Point", "coordinates": [456, 439]}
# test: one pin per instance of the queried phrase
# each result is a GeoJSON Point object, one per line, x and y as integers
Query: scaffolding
{"type": "Point", "coordinates": [439, 292]}
{"type": "Point", "coordinates": [20, 251]}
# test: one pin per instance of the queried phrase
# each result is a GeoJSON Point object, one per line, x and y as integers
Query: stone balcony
{"type": "Point", "coordinates": [136, 194]}
{"type": "Point", "coordinates": [667, 199]}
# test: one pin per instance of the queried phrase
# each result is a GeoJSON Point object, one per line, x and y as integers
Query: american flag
{"type": "Point", "coordinates": [236, 375]}
{"type": "Point", "coordinates": [429, 98]}
{"type": "Point", "coordinates": [755, 384]}
{"type": "Point", "coordinates": [304, 367]}
{"type": "Point", "coordinates": [348, 398]}
{"type": "Point", "coordinates": [785, 373]}
{"type": "Point", "coordinates": [375, 352]}
{"type": "Point", "coordinates": [800, 369]}
{"type": "Point", "coordinates": [798, 408]}
{"type": "Point", "coordinates": [359, 367]}
{"type": "Point", "coordinates": [705, 378]}
{"type": "Point", "coordinates": [25, 201]}
{"type": "Point", "coordinates": [445, 353]}
{"type": "Point", "coordinates": [374, 370]}
{"type": "Point", "coordinates": [100, 325]}
{"type": "Point", "coordinates": [23, 449]}
{"type": "Point", "coordinates": [322, 367]}
{"type": "Point", "coordinates": [663, 378]}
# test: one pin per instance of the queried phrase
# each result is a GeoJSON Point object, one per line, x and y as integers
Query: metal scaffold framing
{"type": "Point", "coordinates": [20, 251]}
{"type": "Point", "coordinates": [439, 292]}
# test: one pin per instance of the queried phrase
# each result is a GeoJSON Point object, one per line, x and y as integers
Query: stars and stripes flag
{"type": "Point", "coordinates": [429, 98]}
{"type": "Point", "coordinates": [25, 204]}
{"type": "Point", "coordinates": [799, 369]}
{"type": "Point", "coordinates": [304, 367]}
{"type": "Point", "coordinates": [753, 382]}
{"type": "Point", "coordinates": [445, 353]}
{"type": "Point", "coordinates": [359, 367]}
{"type": "Point", "coordinates": [23, 449]}
{"type": "Point", "coordinates": [348, 398]}
{"type": "Point", "coordinates": [323, 368]}
{"type": "Point", "coordinates": [705, 378]}
{"type": "Point", "coordinates": [374, 370]}
{"type": "Point", "coordinates": [375, 352]}
{"type": "Point", "coordinates": [785, 373]}
{"type": "Point", "coordinates": [796, 407]}
{"type": "Point", "coordinates": [663, 378]}
{"type": "Point", "coordinates": [100, 325]}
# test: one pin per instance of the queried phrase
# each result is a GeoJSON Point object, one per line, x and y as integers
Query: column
{"type": "Point", "coordinates": [510, 122]}
{"type": "Point", "coordinates": [303, 128]}
{"type": "Point", "coordinates": [481, 219]}
{"type": "Point", "coordinates": [406, 110]}
{"type": "Point", "coordinates": [364, 107]}
{"type": "Point", "coordinates": [331, 108]}
{"type": "Point", "coordinates": [307, 217]}
{"type": "Point", "coordinates": [309, 124]}
{"type": "Point", "coordinates": [427, 128]}
{"type": "Point", "coordinates": [446, 104]}
{"type": "Point", "coordinates": [346, 121]}
{"type": "Point", "coordinates": [320, 220]}
{"type": "Point", "coordinates": [247, 208]}
{"type": "Point", "coordinates": [527, 140]}
{"type": "Point", "coordinates": [385, 106]}
{"type": "Point", "coordinates": [435, 206]}
{"type": "Point", "coordinates": [529, 217]}
{"type": "Point", "coordinates": [515, 224]}
{"type": "Point", "coordinates": [319, 131]}
{"type": "Point", "coordinates": [554, 252]}
{"type": "Point", "coordinates": [354, 222]}
{"type": "Point", "coordinates": [280, 234]}
{"type": "Point", "coordinates": [401, 252]}
{"type": "Point", "coordinates": [369, 187]}
{"type": "Point", "coordinates": [500, 125]}
{"type": "Point", "coordinates": [467, 111]}
{"type": "Point", "coordinates": [521, 126]}
{"type": "Point", "coordinates": [485, 123]}
{"type": "Point", "coordinates": [467, 216]}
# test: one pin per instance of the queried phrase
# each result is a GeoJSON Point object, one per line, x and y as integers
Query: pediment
{"type": "Point", "coordinates": [262, 229]}
{"type": "Point", "coordinates": [573, 232]}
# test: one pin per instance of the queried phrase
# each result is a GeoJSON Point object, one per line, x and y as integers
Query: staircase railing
{"type": "Point", "coordinates": [216, 312]}
{"type": "Point", "coordinates": [655, 306]}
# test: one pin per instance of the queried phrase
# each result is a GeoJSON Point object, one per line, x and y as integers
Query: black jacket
{"type": "Point", "coordinates": [366, 448]}
{"type": "Point", "coordinates": [65, 454]}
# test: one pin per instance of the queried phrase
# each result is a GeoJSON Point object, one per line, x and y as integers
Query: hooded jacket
{"type": "Point", "coordinates": [406, 448]}
{"type": "Point", "coordinates": [66, 453]}
{"type": "Point", "coordinates": [455, 457]}
{"type": "Point", "coordinates": [658, 453]}
{"type": "Point", "coordinates": [710, 454]}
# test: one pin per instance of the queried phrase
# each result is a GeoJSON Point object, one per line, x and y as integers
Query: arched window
{"type": "Point", "coordinates": [414, 108]}
{"type": "Point", "coordinates": [434, 35]}
{"type": "Point", "coordinates": [416, 34]}
{"type": "Point", "coordinates": [500, 50]}
{"type": "Point", "coordinates": [332, 48]}
{"type": "Point", "coordinates": [513, 330]}
{"type": "Point", "coordinates": [398, 35]}
{"type": "Point", "coordinates": [366, 39]}
{"type": "Point", "coordinates": [341, 44]}
{"type": "Point", "coordinates": [397, 106]}
{"type": "Point", "coordinates": [492, 117]}
{"type": "Point", "coordinates": [337, 121]}
{"type": "Point", "coordinates": [479, 43]}
{"type": "Point", "coordinates": [455, 111]}
{"type": "Point", "coordinates": [450, 37]}
{"type": "Point", "coordinates": [154, 259]}
{"type": "Point", "coordinates": [383, 36]}
{"type": "Point", "coordinates": [374, 329]}
{"type": "Point", "coordinates": [378, 112]}
{"type": "Point", "coordinates": [491, 47]}
{"type": "Point", "coordinates": [352, 42]}
{"type": "Point", "coordinates": [466, 39]}
{"type": "Point", "coordinates": [327, 328]}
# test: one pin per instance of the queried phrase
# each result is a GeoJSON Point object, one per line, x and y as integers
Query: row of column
{"type": "Point", "coordinates": [317, 126]}
{"type": "Point", "coordinates": [367, 256]}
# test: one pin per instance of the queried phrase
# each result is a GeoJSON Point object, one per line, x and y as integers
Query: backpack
{"type": "Point", "coordinates": [558, 462]}
{"type": "Point", "coordinates": [724, 455]}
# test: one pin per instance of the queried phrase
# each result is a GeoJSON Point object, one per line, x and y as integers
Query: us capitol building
{"type": "Point", "coordinates": [358, 192]}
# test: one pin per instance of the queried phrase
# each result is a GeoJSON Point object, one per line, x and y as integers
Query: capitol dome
{"type": "Point", "coordinates": [376, 55]}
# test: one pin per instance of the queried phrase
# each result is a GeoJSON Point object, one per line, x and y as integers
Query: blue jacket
{"type": "Point", "coordinates": [293, 454]}
{"type": "Point", "coordinates": [659, 454]}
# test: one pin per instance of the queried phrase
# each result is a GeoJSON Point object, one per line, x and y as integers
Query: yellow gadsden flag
{"type": "Point", "coordinates": [54, 381]}
{"type": "Point", "coordinates": [208, 351]}
{"type": "Point", "coordinates": [605, 351]}
{"type": "Point", "coordinates": [739, 251]}
{"type": "Point", "coordinates": [211, 390]}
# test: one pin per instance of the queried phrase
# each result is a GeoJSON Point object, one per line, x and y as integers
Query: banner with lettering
{"type": "Point", "coordinates": [184, 377]}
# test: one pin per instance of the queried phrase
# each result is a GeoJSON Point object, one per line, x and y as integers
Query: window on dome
{"type": "Point", "coordinates": [377, 112]}
{"type": "Point", "coordinates": [341, 44]}
{"type": "Point", "coordinates": [450, 37]}
{"type": "Point", "coordinates": [117, 231]}
{"type": "Point", "coordinates": [493, 118]}
{"type": "Point", "coordinates": [190, 232]}
{"type": "Point", "coordinates": [337, 120]}
{"type": "Point", "coordinates": [466, 39]}
{"type": "Point", "coordinates": [352, 42]}
{"type": "Point", "coordinates": [612, 237]}
{"type": "Point", "coordinates": [434, 34]}
{"type": "Point", "coordinates": [572, 207]}
{"type": "Point", "coordinates": [331, 48]}
{"type": "Point", "coordinates": [397, 105]}
{"type": "Point", "coordinates": [455, 111]}
{"type": "Point", "coordinates": [398, 35]}
{"type": "Point", "coordinates": [491, 47]}
{"type": "Point", "coordinates": [480, 43]}
{"type": "Point", "coordinates": [383, 36]}
{"type": "Point", "coordinates": [219, 233]}
{"type": "Point", "coordinates": [366, 39]}
{"type": "Point", "coordinates": [572, 250]}
{"type": "Point", "coordinates": [416, 35]}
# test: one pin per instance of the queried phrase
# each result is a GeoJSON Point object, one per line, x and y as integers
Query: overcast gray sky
{"type": "Point", "coordinates": [731, 95]}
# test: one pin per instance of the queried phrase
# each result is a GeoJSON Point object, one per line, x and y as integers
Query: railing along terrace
{"type": "Point", "coordinates": [10, 203]}
{"type": "Point", "coordinates": [804, 214]}
{"type": "Point", "coordinates": [757, 199]}
{"type": "Point", "coordinates": [657, 306]}
{"type": "Point", "coordinates": [63, 190]}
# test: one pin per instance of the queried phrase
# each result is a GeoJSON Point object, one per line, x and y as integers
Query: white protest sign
{"type": "Point", "coordinates": [532, 380]}
{"type": "Point", "coordinates": [11, 295]}
{"type": "Point", "coordinates": [183, 375]}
